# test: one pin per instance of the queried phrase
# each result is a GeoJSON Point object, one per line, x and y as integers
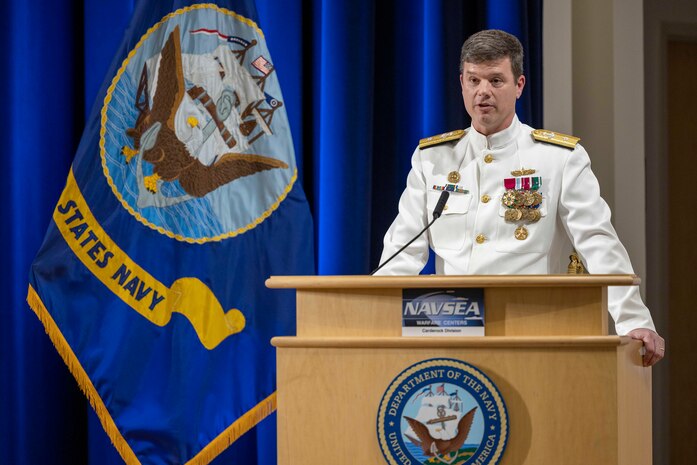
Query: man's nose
{"type": "Point", "coordinates": [484, 88]}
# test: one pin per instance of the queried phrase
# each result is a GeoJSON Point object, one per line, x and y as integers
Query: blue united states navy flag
{"type": "Point", "coordinates": [182, 199]}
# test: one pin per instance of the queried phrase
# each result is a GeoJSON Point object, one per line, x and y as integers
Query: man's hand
{"type": "Point", "coordinates": [654, 345]}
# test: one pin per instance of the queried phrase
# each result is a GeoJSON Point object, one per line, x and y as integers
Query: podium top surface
{"type": "Point", "coordinates": [423, 281]}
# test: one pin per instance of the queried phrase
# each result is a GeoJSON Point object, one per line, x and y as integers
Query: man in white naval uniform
{"type": "Point", "coordinates": [475, 235]}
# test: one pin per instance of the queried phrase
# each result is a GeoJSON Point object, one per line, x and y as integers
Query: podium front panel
{"type": "Point", "coordinates": [573, 402]}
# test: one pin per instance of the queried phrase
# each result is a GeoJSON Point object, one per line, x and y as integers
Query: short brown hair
{"type": "Point", "coordinates": [493, 45]}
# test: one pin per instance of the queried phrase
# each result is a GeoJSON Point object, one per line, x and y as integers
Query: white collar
{"type": "Point", "coordinates": [497, 140]}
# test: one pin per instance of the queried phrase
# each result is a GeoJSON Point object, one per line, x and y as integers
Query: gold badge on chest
{"type": "Point", "coordinates": [521, 233]}
{"type": "Point", "coordinates": [454, 177]}
{"type": "Point", "coordinates": [522, 172]}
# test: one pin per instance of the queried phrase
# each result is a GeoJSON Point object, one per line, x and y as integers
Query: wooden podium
{"type": "Point", "coordinates": [574, 394]}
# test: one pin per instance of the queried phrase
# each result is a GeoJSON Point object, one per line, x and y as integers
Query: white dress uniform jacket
{"type": "Point", "coordinates": [472, 237]}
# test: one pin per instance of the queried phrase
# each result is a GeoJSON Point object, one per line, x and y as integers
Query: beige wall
{"type": "Point", "coordinates": [593, 89]}
{"type": "Point", "coordinates": [604, 81]}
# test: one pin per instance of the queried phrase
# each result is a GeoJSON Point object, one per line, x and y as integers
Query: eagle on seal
{"type": "Point", "coordinates": [431, 446]}
{"type": "Point", "coordinates": [154, 134]}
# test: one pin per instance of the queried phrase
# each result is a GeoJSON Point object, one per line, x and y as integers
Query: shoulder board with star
{"type": "Point", "coordinates": [440, 138]}
{"type": "Point", "coordinates": [557, 138]}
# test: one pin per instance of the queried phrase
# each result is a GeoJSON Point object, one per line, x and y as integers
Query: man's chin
{"type": "Point", "coordinates": [485, 121]}
{"type": "Point", "coordinates": [486, 115]}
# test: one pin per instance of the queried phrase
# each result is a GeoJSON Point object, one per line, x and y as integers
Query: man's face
{"type": "Point", "coordinates": [490, 92]}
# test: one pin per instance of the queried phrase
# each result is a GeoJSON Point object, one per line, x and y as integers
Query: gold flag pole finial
{"type": "Point", "coordinates": [575, 265]}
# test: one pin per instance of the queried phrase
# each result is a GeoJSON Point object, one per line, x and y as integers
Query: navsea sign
{"type": "Point", "coordinates": [443, 312]}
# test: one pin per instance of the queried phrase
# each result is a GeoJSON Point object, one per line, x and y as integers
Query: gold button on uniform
{"type": "Point", "coordinates": [480, 238]}
{"type": "Point", "coordinates": [485, 198]}
{"type": "Point", "coordinates": [489, 158]}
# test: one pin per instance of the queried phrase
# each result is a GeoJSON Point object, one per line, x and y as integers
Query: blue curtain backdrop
{"type": "Point", "coordinates": [363, 82]}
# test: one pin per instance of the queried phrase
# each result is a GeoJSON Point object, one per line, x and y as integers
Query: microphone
{"type": "Point", "coordinates": [442, 200]}
{"type": "Point", "coordinates": [437, 212]}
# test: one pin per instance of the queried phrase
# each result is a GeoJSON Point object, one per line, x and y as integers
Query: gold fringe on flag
{"type": "Point", "coordinates": [80, 375]}
{"type": "Point", "coordinates": [205, 456]}
{"type": "Point", "coordinates": [243, 424]}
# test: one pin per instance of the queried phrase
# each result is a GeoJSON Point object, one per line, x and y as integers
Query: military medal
{"type": "Point", "coordinates": [513, 215]}
{"type": "Point", "coordinates": [508, 199]}
{"type": "Point", "coordinates": [528, 199]}
{"type": "Point", "coordinates": [537, 199]}
{"type": "Point", "coordinates": [522, 200]}
{"type": "Point", "coordinates": [454, 177]}
{"type": "Point", "coordinates": [532, 216]}
{"type": "Point", "coordinates": [521, 233]}
{"type": "Point", "coordinates": [519, 198]}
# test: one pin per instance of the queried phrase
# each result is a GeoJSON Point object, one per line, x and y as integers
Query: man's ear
{"type": "Point", "coordinates": [520, 84]}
